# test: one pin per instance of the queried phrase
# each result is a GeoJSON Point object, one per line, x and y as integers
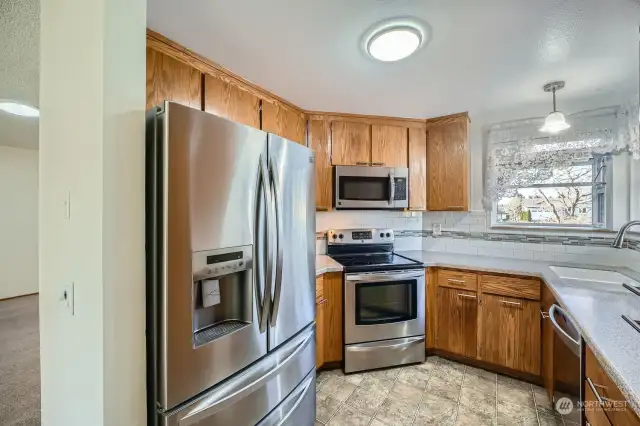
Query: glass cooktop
{"type": "Point", "coordinates": [379, 261]}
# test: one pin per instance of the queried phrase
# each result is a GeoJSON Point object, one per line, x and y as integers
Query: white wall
{"type": "Point", "coordinates": [92, 108]}
{"type": "Point", "coordinates": [18, 222]}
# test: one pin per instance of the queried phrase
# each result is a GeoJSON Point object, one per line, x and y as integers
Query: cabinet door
{"type": "Point", "coordinates": [171, 80]}
{"type": "Point", "coordinates": [509, 333]}
{"type": "Point", "coordinates": [447, 166]}
{"type": "Point", "coordinates": [319, 143]}
{"type": "Point", "coordinates": [333, 341]}
{"type": "Point", "coordinates": [320, 332]}
{"type": "Point", "coordinates": [389, 146]}
{"type": "Point", "coordinates": [229, 101]}
{"type": "Point", "coordinates": [284, 121]}
{"type": "Point", "coordinates": [417, 169]}
{"type": "Point", "coordinates": [457, 321]}
{"type": "Point", "coordinates": [350, 143]}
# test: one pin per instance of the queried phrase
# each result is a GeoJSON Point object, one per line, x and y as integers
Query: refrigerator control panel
{"type": "Point", "coordinates": [219, 262]}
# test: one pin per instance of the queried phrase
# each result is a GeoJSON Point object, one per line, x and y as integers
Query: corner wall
{"type": "Point", "coordinates": [18, 222]}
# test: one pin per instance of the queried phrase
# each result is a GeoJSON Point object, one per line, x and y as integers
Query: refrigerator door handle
{"type": "Point", "coordinates": [277, 202]}
{"type": "Point", "coordinates": [263, 267]}
{"type": "Point", "coordinates": [252, 379]}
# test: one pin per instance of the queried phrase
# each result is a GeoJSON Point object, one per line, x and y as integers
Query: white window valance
{"type": "Point", "coordinates": [518, 153]}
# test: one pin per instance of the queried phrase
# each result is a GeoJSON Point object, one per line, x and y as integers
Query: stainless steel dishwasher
{"type": "Point", "coordinates": [567, 354]}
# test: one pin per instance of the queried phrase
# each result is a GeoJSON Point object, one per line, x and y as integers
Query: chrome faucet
{"type": "Point", "coordinates": [617, 243]}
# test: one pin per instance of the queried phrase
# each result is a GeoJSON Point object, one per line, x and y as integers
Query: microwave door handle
{"type": "Point", "coordinates": [392, 188]}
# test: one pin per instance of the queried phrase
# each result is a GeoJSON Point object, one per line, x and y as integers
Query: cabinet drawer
{"type": "Point", "coordinates": [617, 409]}
{"type": "Point", "coordinates": [319, 288]}
{"type": "Point", "coordinates": [525, 288]}
{"type": "Point", "coordinates": [457, 279]}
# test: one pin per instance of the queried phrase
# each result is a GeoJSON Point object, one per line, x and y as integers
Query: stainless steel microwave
{"type": "Point", "coordinates": [361, 187]}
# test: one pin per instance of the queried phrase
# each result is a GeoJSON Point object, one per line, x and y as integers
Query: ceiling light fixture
{"type": "Point", "coordinates": [555, 122]}
{"type": "Point", "coordinates": [17, 108]}
{"type": "Point", "coordinates": [396, 39]}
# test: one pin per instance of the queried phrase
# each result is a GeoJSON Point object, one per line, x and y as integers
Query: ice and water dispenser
{"type": "Point", "coordinates": [222, 292]}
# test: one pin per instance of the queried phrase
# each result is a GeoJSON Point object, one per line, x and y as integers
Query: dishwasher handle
{"type": "Point", "coordinates": [573, 344]}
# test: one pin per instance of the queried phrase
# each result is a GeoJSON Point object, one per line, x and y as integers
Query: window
{"type": "Point", "coordinates": [572, 195]}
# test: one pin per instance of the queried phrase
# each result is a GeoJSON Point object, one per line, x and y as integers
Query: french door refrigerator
{"type": "Point", "coordinates": [230, 273]}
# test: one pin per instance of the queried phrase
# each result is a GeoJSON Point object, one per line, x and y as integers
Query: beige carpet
{"type": "Point", "coordinates": [19, 362]}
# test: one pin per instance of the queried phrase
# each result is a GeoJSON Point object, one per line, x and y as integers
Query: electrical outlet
{"type": "Point", "coordinates": [67, 297]}
{"type": "Point", "coordinates": [436, 228]}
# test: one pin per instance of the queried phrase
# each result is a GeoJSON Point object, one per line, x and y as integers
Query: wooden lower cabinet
{"type": "Point", "coordinates": [457, 321]}
{"type": "Point", "coordinates": [509, 333]}
{"type": "Point", "coordinates": [592, 410]}
{"type": "Point", "coordinates": [333, 338]}
{"type": "Point", "coordinates": [547, 299]}
{"type": "Point", "coordinates": [320, 332]}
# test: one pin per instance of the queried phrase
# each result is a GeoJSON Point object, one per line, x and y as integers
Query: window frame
{"type": "Point", "coordinates": [605, 176]}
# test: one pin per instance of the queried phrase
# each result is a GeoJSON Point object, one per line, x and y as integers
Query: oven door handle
{"type": "Point", "coordinates": [401, 345]}
{"type": "Point", "coordinates": [385, 277]}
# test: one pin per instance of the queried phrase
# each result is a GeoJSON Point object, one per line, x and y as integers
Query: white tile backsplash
{"type": "Point", "coordinates": [368, 219]}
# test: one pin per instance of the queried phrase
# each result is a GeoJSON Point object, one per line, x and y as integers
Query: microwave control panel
{"type": "Point", "coordinates": [401, 188]}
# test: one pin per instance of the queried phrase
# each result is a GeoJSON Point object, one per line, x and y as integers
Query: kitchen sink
{"type": "Point", "coordinates": [602, 279]}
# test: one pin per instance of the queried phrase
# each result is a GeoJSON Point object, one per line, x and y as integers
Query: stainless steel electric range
{"type": "Point", "coordinates": [384, 300]}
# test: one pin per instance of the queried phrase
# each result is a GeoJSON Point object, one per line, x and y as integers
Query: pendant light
{"type": "Point", "coordinates": [555, 122]}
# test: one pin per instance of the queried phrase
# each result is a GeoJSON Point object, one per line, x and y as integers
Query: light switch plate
{"type": "Point", "coordinates": [436, 229]}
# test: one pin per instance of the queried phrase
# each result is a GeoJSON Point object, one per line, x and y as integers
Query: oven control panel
{"type": "Point", "coordinates": [360, 236]}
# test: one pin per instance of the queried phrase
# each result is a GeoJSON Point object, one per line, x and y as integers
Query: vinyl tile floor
{"type": "Point", "coordinates": [438, 392]}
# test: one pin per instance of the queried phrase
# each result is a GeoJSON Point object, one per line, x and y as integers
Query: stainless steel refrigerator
{"type": "Point", "coordinates": [230, 273]}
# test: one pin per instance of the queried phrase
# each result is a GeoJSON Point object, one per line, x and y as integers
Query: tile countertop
{"type": "Point", "coordinates": [326, 264]}
{"type": "Point", "coordinates": [597, 313]}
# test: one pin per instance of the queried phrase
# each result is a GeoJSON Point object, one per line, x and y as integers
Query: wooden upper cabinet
{"type": "Point", "coordinates": [229, 101]}
{"type": "Point", "coordinates": [171, 80]}
{"type": "Point", "coordinates": [350, 143]}
{"type": "Point", "coordinates": [417, 169]}
{"type": "Point", "coordinates": [389, 146]}
{"type": "Point", "coordinates": [319, 143]}
{"type": "Point", "coordinates": [448, 164]}
{"type": "Point", "coordinates": [457, 320]}
{"type": "Point", "coordinates": [509, 333]}
{"type": "Point", "coordinates": [284, 121]}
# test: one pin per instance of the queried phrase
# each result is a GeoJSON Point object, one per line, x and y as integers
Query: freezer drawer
{"type": "Point", "coordinates": [299, 409]}
{"type": "Point", "coordinates": [245, 399]}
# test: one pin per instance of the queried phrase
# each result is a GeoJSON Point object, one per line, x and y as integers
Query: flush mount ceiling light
{"type": "Point", "coordinates": [17, 108]}
{"type": "Point", "coordinates": [555, 122]}
{"type": "Point", "coordinates": [395, 39]}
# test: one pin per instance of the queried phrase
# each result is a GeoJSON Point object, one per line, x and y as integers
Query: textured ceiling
{"type": "Point", "coordinates": [19, 65]}
{"type": "Point", "coordinates": [484, 55]}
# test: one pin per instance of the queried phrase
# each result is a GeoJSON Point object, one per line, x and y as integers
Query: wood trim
{"type": "Point", "coordinates": [432, 307]}
{"type": "Point", "coordinates": [446, 119]}
{"type": "Point", "coordinates": [20, 296]}
{"type": "Point", "coordinates": [415, 123]}
{"type": "Point", "coordinates": [164, 45]}
{"type": "Point", "coordinates": [505, 371]}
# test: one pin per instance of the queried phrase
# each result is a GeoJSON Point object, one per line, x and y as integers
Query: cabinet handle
{"type": "Point", "coordinates": [455, 207]}
{"type": "Point", "coordinates": [377, 164]}
{"type": "Point", "coordinates": [322, 301]}
{"type": "Point", "coordinates": [506, 302]}
{"type": "Point", "coordinates": [544, 314]}
{"type": "Point", "coordinates": [451, 280]}
{"type": "Point", "coordinates": [362, 163]}
{"type": "Point", "coordinates": [468, 296]}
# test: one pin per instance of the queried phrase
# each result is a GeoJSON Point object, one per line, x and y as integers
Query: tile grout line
{"type": "Point", "coordinates": [415, 416]}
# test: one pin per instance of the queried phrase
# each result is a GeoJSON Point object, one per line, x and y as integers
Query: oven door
{"type": "Point", "coordinates": [370, 187]}
{"type": "Point", "coordinates": [383, 305]}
